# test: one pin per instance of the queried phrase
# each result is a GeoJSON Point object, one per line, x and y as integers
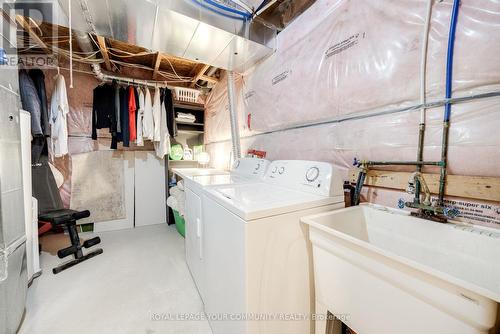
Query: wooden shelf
{"type": "Point", "coordinates": [181, 161]}
{"type": "Point", "coordinates": [477, 187]}
{"type": "Point", "coordinates": [188, 105]}
{"type": "Point", "coordinates": [190, 132]}
{"type": "Point", "coordinates": [188, 123]}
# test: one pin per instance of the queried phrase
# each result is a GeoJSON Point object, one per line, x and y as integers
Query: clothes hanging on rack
{"type": "Point", "coordinates": [162, 146]}
{"type": "Point", "coordinates": [31, 102]}
{"type": "Point", "coordinates": [169, 106]}
{"type": "Point", "coordinates": [132, 108]}
{"type": "Point", "coordinates": [140, 119]}
{"type": "Point", "coordinates": [124, 117]}
{"type": "Point", "coordinates": [59, 109]}
{"type": "Point", "coordinates": [102, 108]}
{"type": "Point", "coordinates": [116, 87]}
{"type": "Point", "coordinates": [148, 122]}
{"type": "Point", "coordinates": [157, 115]}
{"type": "Point", "coordinates": [39, 81]}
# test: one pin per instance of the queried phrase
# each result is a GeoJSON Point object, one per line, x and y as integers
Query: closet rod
{"type": "Point", "coordinates": [107, 77]}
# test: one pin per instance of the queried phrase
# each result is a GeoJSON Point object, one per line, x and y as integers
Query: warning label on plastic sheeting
{"type": "Point", "coordinates": [249, 94]}
{"type": "Point", "coordinates": [344, 45]}
{"type": "Point", "coordinates": [477, 213]}
{"type": "Point", "coordinates": [282, 76]}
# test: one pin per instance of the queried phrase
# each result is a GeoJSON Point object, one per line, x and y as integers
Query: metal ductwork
{"type": "Point", "coordinates": [180, 28]}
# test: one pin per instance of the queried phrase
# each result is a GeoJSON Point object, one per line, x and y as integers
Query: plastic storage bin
{"type": "Point", "coordinates": [180, 223]}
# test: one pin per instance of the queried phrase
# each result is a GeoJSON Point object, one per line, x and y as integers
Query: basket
{"type": "Point", "coordinates": [180, 223]}
{"type": "Point", "coordinates": [186, 94]}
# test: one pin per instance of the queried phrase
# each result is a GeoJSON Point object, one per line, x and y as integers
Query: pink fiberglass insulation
{"type": "Point", "coordinates": [343, 58]}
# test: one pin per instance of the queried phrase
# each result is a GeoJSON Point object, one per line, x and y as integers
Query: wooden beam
{"type": "Point", "coordinates": [156, 64]}
{"type": "Point", "coordinates": [209, 79]}
{"type": "Point", "coordinates": [477, 187]}
{"type": "Point", "coordinates": [104, 52]}
{"type": "Point", "coordinates": [21, 20]}
{"type": "Point", "coordinates": [201, 72]}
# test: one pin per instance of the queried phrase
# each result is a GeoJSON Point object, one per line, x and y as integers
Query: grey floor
{"type": "Point", "coordinates": [141, 275]}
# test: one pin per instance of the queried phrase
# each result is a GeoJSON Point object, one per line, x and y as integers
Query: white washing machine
{"type": "Point", "coordinates": [244, 170]}
{"type": "Point", "coordinates": [187, 173]}
{"type": "Point", "coordinates": [256, 255]}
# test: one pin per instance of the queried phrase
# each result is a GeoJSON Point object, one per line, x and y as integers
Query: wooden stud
{"type": "Point", "coordinates": [209, 79]}
{"type": "Point", "coordinates": [104, 52]}
{"type": "Point", "coordinates": [156, 64]}
{"type": "Point", "coordinates": [476, 187]}
{"type": "Point", "coordinates": [201, 72]}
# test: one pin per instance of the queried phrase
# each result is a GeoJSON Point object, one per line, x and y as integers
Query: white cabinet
{"type": "Point", "coordinates": [194, 239]}
{"type": "Point", "coordinates": [150, 189]}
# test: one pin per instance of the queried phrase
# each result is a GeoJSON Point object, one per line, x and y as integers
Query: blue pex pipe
{"type": "Point", "coordinates": [228, 9]}
{"type": "Point", "coordinates": [201, 3]}
{"type": "Point", "coordinates": [449, 58]}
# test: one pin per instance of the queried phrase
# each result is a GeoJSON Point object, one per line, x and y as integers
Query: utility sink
{"type": "Point", "coordinates": [381, 270]}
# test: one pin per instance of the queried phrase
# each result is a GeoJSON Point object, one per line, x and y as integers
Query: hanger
{"type": "Point", "coordinates": [58, 72]}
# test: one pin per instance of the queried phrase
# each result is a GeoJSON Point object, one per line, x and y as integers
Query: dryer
{"type": "Point", "coordinates": [257, 258]}
{"type": "Point", "coordinates": [244, 170]}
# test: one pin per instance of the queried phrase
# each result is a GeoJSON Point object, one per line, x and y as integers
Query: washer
{"type": "Point", "coordinates": [256, 255]}
{"type": "Point", "coordinates": [244, 170]}
{"type": "Point", "coordinates": [187, 173]}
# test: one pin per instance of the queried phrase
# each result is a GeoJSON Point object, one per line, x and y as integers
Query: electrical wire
{"type": "Point", "coordinates": [89, 58]}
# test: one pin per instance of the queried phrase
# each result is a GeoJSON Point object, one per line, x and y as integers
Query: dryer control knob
{"type": "Point", "coordinates": [312, 174]}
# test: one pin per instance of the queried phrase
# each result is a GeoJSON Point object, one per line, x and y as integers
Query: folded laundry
{"type": "Point", "coordinates": [184, 117]}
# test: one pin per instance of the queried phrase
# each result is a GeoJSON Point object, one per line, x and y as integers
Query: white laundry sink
{"type": "Point", "coordinates": [383, 271]}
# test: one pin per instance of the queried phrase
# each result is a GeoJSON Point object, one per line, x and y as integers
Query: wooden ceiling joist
{"type": "Point", "coordinates": [104, 52]}
{"type": "Point", "coordinates": [201, 72]}
{"type": "Point", "coordinates": [209, 79]}
{"type": "Point", "coordinates": [156, 65]}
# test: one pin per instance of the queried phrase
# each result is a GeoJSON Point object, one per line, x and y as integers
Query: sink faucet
{"type": "Point", "coordinates": [426, 209]}
{"type": "Point", "coordinates": [410, 189]}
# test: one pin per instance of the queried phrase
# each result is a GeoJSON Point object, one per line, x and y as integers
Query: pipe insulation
{"type": "Point", "coordinates": [235, 133]}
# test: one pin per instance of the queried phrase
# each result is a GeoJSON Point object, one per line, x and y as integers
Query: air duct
{"type": "Point", "coordinates": [179, 28]}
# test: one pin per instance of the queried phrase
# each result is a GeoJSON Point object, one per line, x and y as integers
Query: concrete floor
{"type": "Point", "coordinates": [141, 274]}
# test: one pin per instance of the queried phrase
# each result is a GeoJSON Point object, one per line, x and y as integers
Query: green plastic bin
{"type": "Point", "coordinates": [180, 223]}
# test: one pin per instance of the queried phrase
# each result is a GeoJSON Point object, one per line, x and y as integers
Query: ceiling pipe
{"type": "Point", "coordinates": [84, 41]}
{"type": "Point", "coordinates": [235, 132]}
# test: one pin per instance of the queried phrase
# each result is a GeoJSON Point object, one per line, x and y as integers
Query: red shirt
{"type": "Point", "coordinates": [131, 113]}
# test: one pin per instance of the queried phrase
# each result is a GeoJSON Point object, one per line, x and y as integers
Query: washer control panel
{"type": "Point", "coordinates": [309, 176]}
{"type": "Point", "coordinates": [250, 167]}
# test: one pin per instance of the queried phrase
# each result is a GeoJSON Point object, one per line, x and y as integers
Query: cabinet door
{"type": "Point", "coordinates": [150, 189]}
{"type": "Point", "coordinates": [194, 238]}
